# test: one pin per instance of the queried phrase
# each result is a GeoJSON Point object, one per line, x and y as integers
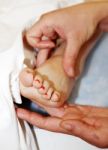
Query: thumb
{"type": "Point", "coordinates": [79, 129]}
{"type": "Point", "coordinates": [70, 56]}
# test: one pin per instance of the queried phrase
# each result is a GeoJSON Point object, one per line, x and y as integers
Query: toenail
{"type": "Point", "coordinates": [42, 87]}
{"type": "Point", "coordinates": [46, 96]}
{"type": "Point", "coordinates": [55, 96]}
{"type": "Point", "coordinates": [37, 80]}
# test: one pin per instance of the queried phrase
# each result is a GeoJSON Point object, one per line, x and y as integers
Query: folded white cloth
{"type": "Point", "coordinates": [15, 16]}
{"type": "Point", "coordinates": [13, 133]}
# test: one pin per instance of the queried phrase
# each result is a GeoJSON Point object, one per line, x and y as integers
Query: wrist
{"type": "Point", "coordinates": [101, 8]}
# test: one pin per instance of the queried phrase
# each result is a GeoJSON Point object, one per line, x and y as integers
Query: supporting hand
{"type": "Point", "coordinates": [88, 123]}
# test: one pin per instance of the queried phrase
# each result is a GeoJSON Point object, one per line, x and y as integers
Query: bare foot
{"type": "Point", "coordinates": [48, 84]}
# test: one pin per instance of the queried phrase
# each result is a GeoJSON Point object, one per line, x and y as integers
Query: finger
{"type": "Point", "coordinates": [42, 56]}
{"type": "Point", "coordinates": [37, 42]}
{"type": "Point", "coordinates": [70, 56]}
{"type": "Point", "coordinates": [81, 129]}
{"type": "Point", "coordinates": [47, 123]}
{"type": "Point", "coordinates": [55, 112]}
{"type": "Point", "coordinates": [34, 36]}
{"type": "Point", "coordinates": [50, 32]}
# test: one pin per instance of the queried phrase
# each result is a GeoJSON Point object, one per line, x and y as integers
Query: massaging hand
{"type": "Point", "coordinates": [88, 123]}
{"type": "Point", "coordinates": [74, 24]}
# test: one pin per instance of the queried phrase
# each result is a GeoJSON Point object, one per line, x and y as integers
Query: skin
{"type": "Point", "coordinates": [48, 84]}
{"type": "Point", "coordinates": [87, 122]}
{"type": "Point", "coordinates": [68, 30]}
{"type": "Point", "coordinates": [45, 83]}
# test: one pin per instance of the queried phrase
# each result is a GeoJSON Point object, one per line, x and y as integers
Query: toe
{"type": "Point", "coordinates": [55, 97]}
{"type": "Point", "coordinates": [44, 88]}
{"type": "Point", "coordinates": [26, 77]}
{"type": "Point", "coordinates": [37, 83]}
{"type": "Point", "coordinates": [48, 94]}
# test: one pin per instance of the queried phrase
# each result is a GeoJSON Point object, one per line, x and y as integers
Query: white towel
{"type": "Point", "coordinates": [15, 15]}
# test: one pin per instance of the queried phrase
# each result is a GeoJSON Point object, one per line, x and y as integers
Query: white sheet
{"type": "Point", "coordinates": [15, 15]}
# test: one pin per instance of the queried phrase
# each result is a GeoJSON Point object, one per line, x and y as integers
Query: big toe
{"type": "Point", "coordinates": [26, 77]}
